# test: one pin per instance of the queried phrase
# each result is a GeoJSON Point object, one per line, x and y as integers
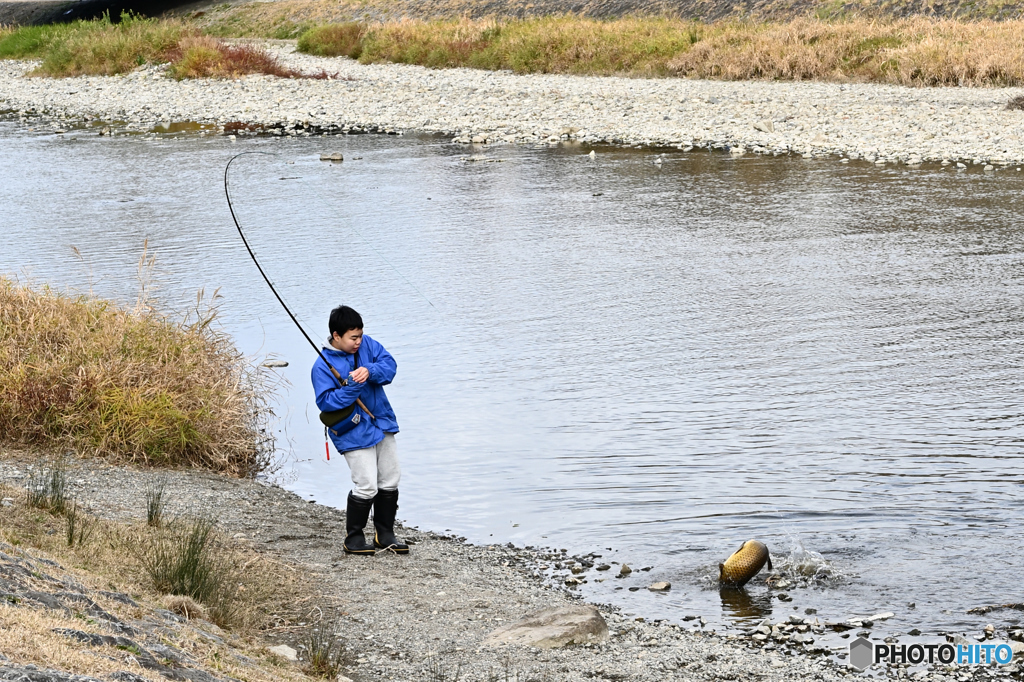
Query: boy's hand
{"type": "Point", "coordinates": [360, 375]}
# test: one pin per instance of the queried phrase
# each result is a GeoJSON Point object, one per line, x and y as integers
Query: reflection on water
{"type": "Point", "coordinates": [742, 607]}
{"type": "Point", "coordinates": [648, 362]}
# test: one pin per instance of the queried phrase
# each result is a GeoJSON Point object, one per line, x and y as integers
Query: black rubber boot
{"type": "Point", "coordinates": [385, 506]}
{"type": "Point", "coordinates": [356, 514]}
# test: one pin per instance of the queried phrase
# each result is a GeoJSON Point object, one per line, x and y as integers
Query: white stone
{"type": "Point", "coordinates": [285, 652]}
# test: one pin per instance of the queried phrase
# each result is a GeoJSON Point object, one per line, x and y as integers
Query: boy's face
{"type": "Point", "coordinates": [348, 342]}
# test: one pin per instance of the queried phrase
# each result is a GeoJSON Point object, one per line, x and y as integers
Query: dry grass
{"type": "Point", "coordinates": [129, 385]}
{"type": "Point", "coordinates": [113, 557]}
{"type": "Point", "coordinates": [907, 52]}
{"type": "Point", "coordinates": [281, 19]}
{"type": "Point", "coordinates": [334, 40]}
{"type": "Point", "coordinates": [288, 18]}
{"type": "Point", "coordinates": [915, 51]}
{"type": "Point", "coordinates": [27, 637]}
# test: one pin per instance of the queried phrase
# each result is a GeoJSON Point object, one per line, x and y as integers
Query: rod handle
{"type": "Point", "coordinates": [360, 404]}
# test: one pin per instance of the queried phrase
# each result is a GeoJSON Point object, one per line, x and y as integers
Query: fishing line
{"type": "Point", "coordinates": [383, 258]}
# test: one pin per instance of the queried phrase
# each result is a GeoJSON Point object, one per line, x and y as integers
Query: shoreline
{"type": "Point", "coordinates": [438, 605]}
{"type": "Point", "coordinates": [881, 124]}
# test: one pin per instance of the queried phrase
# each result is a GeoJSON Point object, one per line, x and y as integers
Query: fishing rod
{"type": "Point", "coordinates": [227, 194]}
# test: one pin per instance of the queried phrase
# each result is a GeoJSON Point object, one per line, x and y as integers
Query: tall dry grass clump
{"type": "Point", "coordinates": [334, 40]}
{"type": "Point", "coordinates": [127, 384]}
{"type": "Point", "coordinates": [208, 57]}
{"type": "Point", "coordinates": [916, 51]}
{"type": "Point", "coordinates": [636, 46]}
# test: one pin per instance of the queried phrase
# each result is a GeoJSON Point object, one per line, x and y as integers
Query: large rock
{"type": "Point", "coordinates": [553, 628]}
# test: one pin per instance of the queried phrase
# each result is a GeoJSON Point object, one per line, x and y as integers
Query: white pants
{"type": "Point", "coordinates": [375, 468]}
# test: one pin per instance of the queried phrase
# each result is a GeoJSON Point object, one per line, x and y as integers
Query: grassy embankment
{"type": "Point", "coordinates": [131, 385]}
{"type": "Point", "coordinates": [909, 42]}
{"type": "Point", "coordinates": [106, 48]}
{"type": "Point", "coordinates": [128, 385]}
{"type": "Point", "coordinates": [907, 52]}
{"type": "Point", "coordinates": [914, 51]}
{"type": "Point", "coordinates": [184, 565]}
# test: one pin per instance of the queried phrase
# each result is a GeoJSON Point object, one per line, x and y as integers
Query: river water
{"type": "Point", "coordinates": [650, 362]}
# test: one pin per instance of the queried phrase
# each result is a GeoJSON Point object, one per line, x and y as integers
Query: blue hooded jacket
{"type": "Point", "coordinates": [329, 396]}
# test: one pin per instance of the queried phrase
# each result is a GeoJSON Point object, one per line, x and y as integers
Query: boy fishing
{"type": "Point", "coordinates": [362, 427]}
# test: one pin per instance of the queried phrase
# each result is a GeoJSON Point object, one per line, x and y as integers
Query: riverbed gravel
{"type": "Point", "coordinates": [878, 123]}
{"type": "Point", "coordinates": [425, 616]}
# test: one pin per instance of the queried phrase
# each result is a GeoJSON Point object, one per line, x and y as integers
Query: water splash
{"type": "Point", "coordinates": [805, 565]}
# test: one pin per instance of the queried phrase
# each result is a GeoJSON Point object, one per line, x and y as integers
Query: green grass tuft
{"type": "Point", "coordinates": [31, 42]}
{"type": "Point", "coordinates": [322, 649]}
{"type": "Point", "coordinates": [183, 562]}
{"type": "Point", "coordinates": [155, 503]}
{"type": "Point", "coordinates": [48, 487]}
{"type": "Point", "coordinates": [78, 525]}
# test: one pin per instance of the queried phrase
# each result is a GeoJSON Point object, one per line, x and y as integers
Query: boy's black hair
{"type": "Point", "coordinates": [344, 319]}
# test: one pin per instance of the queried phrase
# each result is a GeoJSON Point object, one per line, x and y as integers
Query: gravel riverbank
{"type": "Point", "coordinates": [426, 616]}
{"type": "Point", "coordinates": [884, 124]}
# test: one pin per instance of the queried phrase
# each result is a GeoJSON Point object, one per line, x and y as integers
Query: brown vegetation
{"type": "Point", "coordinates": [289, 18]}
{"type": "Point", "coordinates": [906, 52]}
{"type": "Point", "coordinates": [129, 385]}
{"type": "Point", "coordinates": [198, 56]}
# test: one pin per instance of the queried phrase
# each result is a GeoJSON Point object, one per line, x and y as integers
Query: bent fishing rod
{"type": "Point", "coordinates": [337, 375]}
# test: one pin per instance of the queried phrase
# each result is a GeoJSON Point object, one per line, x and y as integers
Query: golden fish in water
{"type": "Point", "coordinates": [744, 564]}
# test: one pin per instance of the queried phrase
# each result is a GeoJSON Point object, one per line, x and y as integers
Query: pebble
{"type": "Point", "coordinates": [881, 123]}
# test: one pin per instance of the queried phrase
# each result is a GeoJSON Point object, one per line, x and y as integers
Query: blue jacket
{"type": "Point", "coordinates": [329, 396]}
